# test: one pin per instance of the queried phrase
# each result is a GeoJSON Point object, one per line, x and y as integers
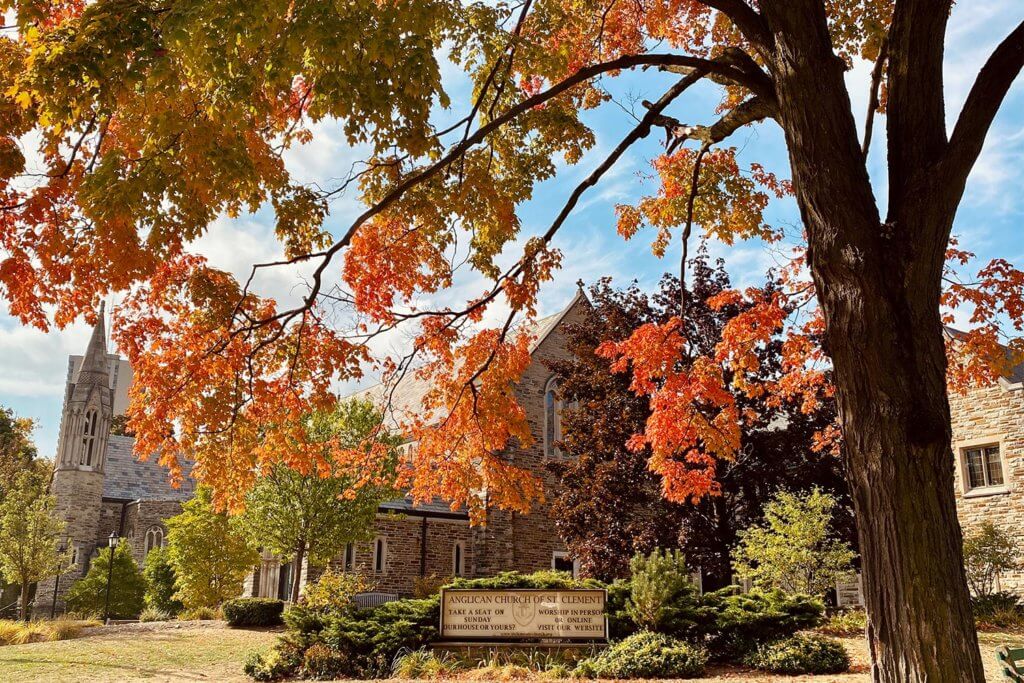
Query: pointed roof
{"type": "Point", "coordinates": [93, 371]}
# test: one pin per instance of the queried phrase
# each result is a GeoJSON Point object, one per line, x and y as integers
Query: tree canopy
{"type": "Point", "coordinates": [313, 516]}
{"type": "Point", "coordinates": [150, 119]}
{"type": "Point", "coordinates": [611, 505]}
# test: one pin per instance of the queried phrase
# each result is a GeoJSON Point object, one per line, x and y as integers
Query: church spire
{"type": "Point", "coordinates": [94, 365]}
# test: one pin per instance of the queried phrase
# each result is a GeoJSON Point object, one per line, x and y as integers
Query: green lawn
{"type": "Point", "coordinates": [185, 651]}
{"type": "Point", "coordinates": [208, 651]}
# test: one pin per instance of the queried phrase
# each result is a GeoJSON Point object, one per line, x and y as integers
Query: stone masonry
{"type": "Point", "coordinates": [992, 416]}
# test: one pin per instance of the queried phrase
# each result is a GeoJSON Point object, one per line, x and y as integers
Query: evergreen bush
{"type": "Point", "coordinates": [662, 597]}
{"type": "Point", "coordinates": [739, 622]}
{"type": "Point", "coordinates": [253, 611]}
{"type": "Point", "coordinates": [646, 655]}
{"type": "Point", "coordinates": [127, 585]}
{"type": "Point", "coordinates": [801, 654]}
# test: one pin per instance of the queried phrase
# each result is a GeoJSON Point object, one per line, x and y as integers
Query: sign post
{"type": "Point", "coordinates": [523, 614]}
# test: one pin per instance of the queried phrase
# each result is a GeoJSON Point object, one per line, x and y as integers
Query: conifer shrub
{"type": "Point", "coordinates": [127, 585]}
{"type": "Point", "coordinates": [739, 622]}
{"type": "Point", "coordinates": [646, 655]}
{"type": "Point", "coordinates": [253, 611]}
{"type": "Point", "coordinates": [662, 598]}
{"type": "Point", "coordinates": [801, 654]}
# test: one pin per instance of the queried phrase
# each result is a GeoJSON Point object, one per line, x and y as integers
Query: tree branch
{"type": "Point", "coordinates": [701, 68]}
{"type": "Point", "coordinates": [751, 24]}
{"type": "Point", "coordinates": [876, 83]}
{"type": "Point", "coordinates": [983, 101]}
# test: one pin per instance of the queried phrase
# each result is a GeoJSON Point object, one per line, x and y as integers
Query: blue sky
{"type": "Point", "coordinates": [990, 221]}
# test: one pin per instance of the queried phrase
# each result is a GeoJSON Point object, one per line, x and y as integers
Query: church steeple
{"type": "Point", "coordinates": [88, 408]}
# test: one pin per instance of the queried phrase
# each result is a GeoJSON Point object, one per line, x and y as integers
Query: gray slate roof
{"type": "Point", "coordinates": [436, 507]}
{"type": "Point", "coordinates": [128, 478]}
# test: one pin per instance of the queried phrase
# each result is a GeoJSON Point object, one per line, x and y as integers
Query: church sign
{"type": "Point", "coordinates": [523, 614]}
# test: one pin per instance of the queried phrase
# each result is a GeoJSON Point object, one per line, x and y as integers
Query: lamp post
{"type": "Point", "coordinates": [56, 581]}
{"type": "Point", "coordinates": [111, 543]}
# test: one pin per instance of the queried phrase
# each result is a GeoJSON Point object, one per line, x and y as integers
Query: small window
{"type": "Point", "coordinates": [380, 550]}
{"type": "Point", "coordinates": [349, 558]}
{"type": "Point", "coordinates": [458, 559]}
{"type": "Point", "coordinates": [983, 467]}
{"type": "Point", "coordinates": [154, 539]}
{"type": "Point", "coordinates": [561, 562]}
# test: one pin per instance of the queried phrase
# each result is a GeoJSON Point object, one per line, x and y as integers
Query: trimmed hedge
{"type": "Point", "coordinates": [646, 655]}
{"type": "Point", "coordinates": [348, 642]}
{"type": "Point", "coordinates": [253, 612]}
{"type": "Point", "coordinates": [801, 654]}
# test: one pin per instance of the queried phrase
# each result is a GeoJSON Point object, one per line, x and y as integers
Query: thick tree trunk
{"type": "Point", "coordinates": [879, 284]}
{"type": "Point", "coordinates": [895, 415]}
{"type": "Point", "coordinates": [300, 554]}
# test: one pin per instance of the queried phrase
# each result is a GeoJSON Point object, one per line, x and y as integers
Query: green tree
{"type": "Point", "coordinates": [794, 549]}
{"type": "Point", "coordinates": [127, 585]}
{"type": "Point", "coordinates": [210, 558]}
{"type": "Point", "coordinates": [17, 451]}
{"type": "Point", "coordinates": [662, 596]}
{"type": "Point", "coordinates": [989, 551]}
{"type": "Point", "coordinates": [160, 582]}
{"type": "Point", "coordinates": [297, 515]}
{"type": "Point", "coordinates": [29, 534]}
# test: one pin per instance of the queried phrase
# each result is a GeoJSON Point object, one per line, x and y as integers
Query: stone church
{"type": "Point", "coordinates": [101, 489]}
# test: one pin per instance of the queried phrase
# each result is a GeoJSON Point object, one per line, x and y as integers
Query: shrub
{"type": "Point", "coordinates": [662, 598]}
{"type": "Point", "coordinates": [998, 610]}
{"type": "Point", "coordinates": [154, 614]}
{"type": "Point", "coordinates": [850, 622]}
{"type": "Point", "coordinates": [66, 628]}
{"type": "Point", "coordinates": [272, 665]}
{"type": "Point", "coordinates": [253, 611]}
{"type": "Point", "coordinates": [426, 586]}
{"type": "Point", "coordinates": [127, 585]}
{"type": "Point", "coordinates": [369, 640]}
{"type": "Point", "coordinates": [9, 631]}
{"type": "Point", "coordinates": [739, 622]}
{"type": "Point", "coordinates": [321, 663]}
{"type": "Point", "coordinates": [424, 663]}
{"type": "Point", "coordinates": [989, 551]}
{"type": "Point", "coordinates": [793, 550]}
{"type": "Point", "coordinates": [646, 655]}
{"type": "Point", "coordinates": [199, 614]}
{"type": "Point", "coordinates": [160, 577]}
{"type": "Point", "coordinates": [332, 593]}
{"type": "Point", "coordinates": [801, 654]}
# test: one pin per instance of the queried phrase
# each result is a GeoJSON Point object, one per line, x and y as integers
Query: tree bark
{"type": "Point", "coordinates": [24, 600]}
{"type": "Point", "coordinates": [300, 553]}
{"type": "Point", "coordinates": [879, 284]}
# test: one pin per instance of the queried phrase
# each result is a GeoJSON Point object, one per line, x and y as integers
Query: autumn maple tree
{"type": "Point", "coordinates": [128, 126]}
{"type": "Point", "coordinates": [610, 505]}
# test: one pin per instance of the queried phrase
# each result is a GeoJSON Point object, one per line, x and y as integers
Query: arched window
{"type": "Point", "coordinates": [154, 539]}
{"type": "Point", "coordinates": [459, 559]}
{"type": "Point", "coordinates": [349, 558]}
{"type": "Point", "coordinates": [552, 419]}
{"type": "Point", "coordinates": [89, 437]}
{"type": "Point", "coordinates": [380, 552]}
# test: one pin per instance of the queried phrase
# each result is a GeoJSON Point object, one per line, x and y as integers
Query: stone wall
{"type": "Point", "coordinates": [77, 494]}
{"type": "Point", "coordinates": [992, 415]}
{"type": "Point", "coordinates": [148, 514]}
{"type": "Point", "coordinates": [533, 537]}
